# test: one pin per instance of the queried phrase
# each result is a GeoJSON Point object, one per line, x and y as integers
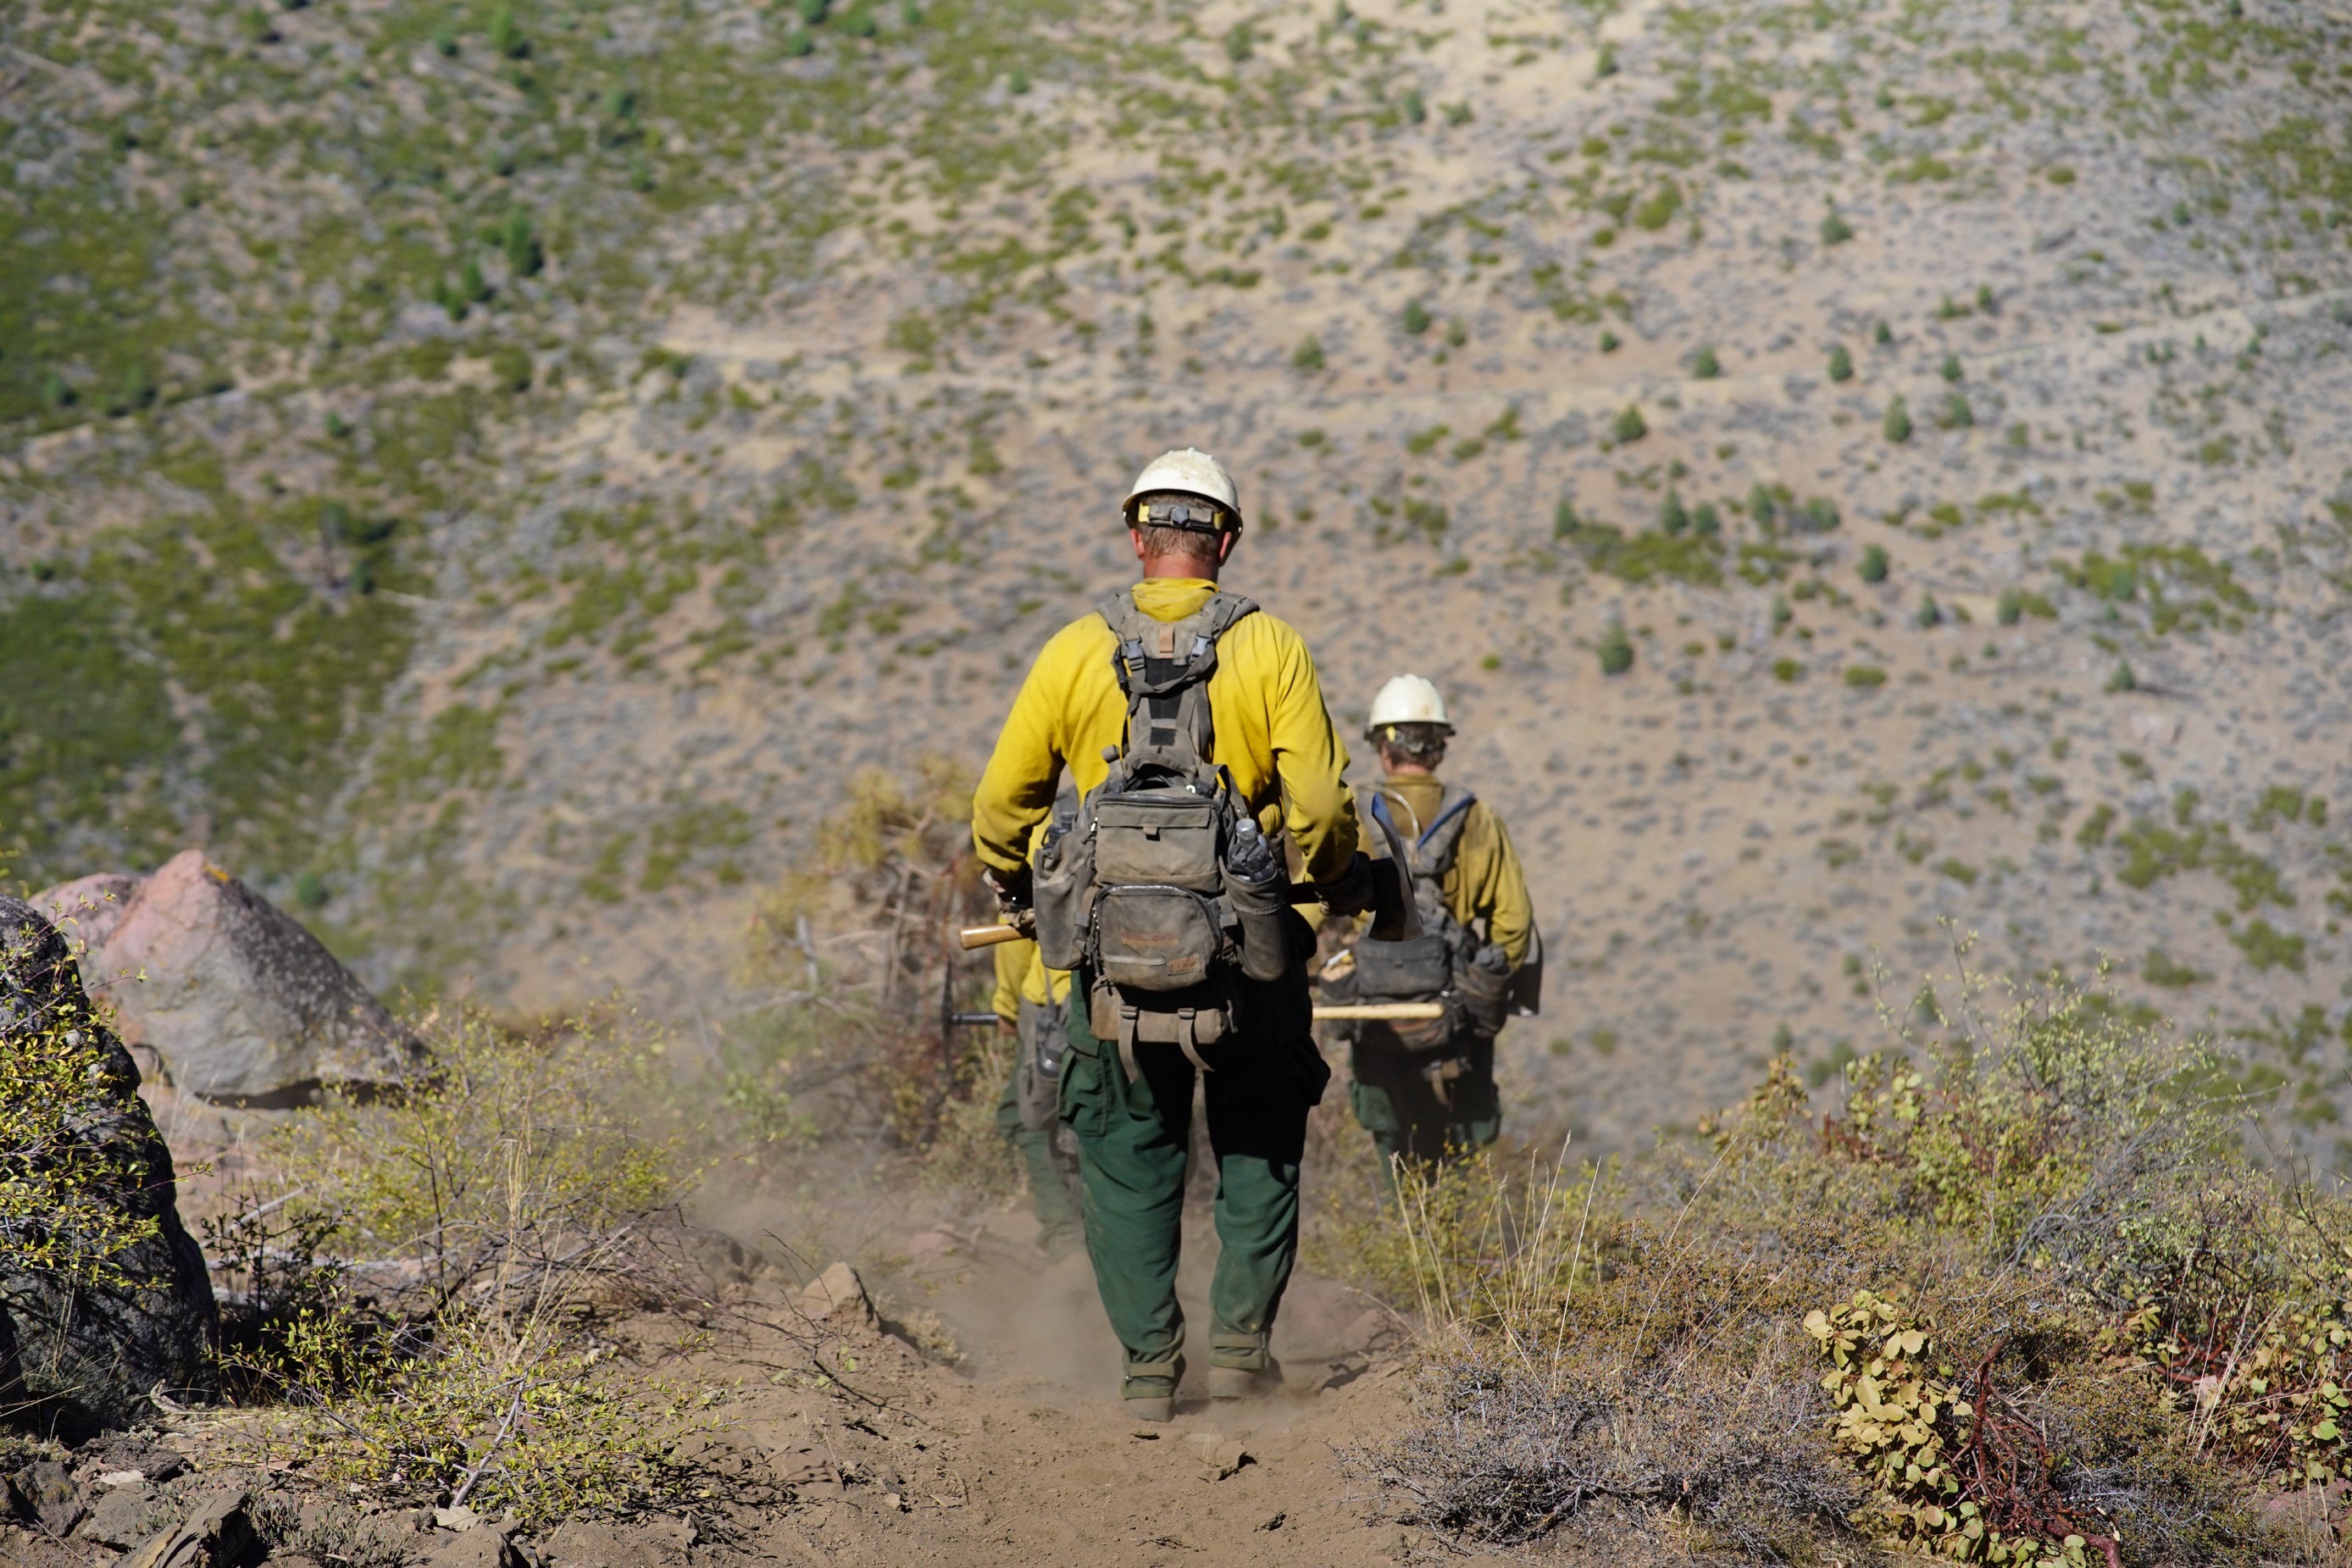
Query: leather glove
{"type": "Point", "coordinates": [1013, 890]}
{"type": "Point", "coordinates": [1349, 893]}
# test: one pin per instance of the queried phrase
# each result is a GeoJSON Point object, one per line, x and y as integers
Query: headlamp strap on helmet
{"type": "Point", "coordinates": [1192, 516]}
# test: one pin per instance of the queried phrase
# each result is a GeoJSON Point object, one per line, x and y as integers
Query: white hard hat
{"type": "Point", "coordinates": [1407, 699]}
{"type": "Point", "coordinates": [1188, 472]}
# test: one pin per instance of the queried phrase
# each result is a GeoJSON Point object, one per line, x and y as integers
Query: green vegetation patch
{"type": "Point", "coordinates": [1649, 555]}
{"type": "Point", "coordinates": [208, 677]}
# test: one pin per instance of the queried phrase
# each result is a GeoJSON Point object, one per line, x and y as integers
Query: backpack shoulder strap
{"type": "Point", "coordinates": [1443, 837]}
{"type": "Point", "coordinates": [1433, 847]}
{"type": "Point", "coordinates": [1163, 668]}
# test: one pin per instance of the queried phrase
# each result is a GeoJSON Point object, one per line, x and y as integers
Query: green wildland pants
{"type": "Point", "coordinates": [1134, 1137]}
{"type": "Point", "coordinates": [1425, 1106]}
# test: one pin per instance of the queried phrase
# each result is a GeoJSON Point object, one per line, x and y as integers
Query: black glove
{"type": "Point", "coordinates": [1013, 892]}
{"type": "Point", "coordinates": [1349, 893]}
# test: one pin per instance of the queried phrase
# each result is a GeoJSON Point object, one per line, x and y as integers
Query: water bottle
{"type": "Point", "coordinates": [1257, 886]}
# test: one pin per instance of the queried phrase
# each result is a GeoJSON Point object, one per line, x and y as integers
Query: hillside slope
{"type": "Point", "coordinates": [494, 473]}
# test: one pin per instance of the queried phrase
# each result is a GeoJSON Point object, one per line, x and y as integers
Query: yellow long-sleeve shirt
{"type": "Point", "coordinates": [1272, 733]}
{"type": "Point", "coordinates": [1485, 881]}
{"type": "Point", "coordinates": [1020, 976]}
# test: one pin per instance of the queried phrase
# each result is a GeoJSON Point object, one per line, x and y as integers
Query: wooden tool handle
{"type": "Point", "coordinates": [1396, 1011]}
{"type": "Point", "coordinates": [989, 935]}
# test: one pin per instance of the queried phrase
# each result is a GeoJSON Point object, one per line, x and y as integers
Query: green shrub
{"type": "Point", "coordinates": [1929, 612]}
{"type": "Point", "coordinates": [1835, 230]}
{"type": "Point", "coordinates": [506, 36]}
{"type": "Point", "coordinates": [1416, 319]}
{"type": "Point", "coordinates": [2267, 948]}
{"type": "Point", "coordinates": [1951, 369]}
{"type": "Point", "coordinates": [2162, 969]}
{"type": "Point", "coordinates": [1864, 677]}
{"type": "Point", "coordinates": [799, 44]}
{"type": "Point", "coordinates": [861, 23]}
{"type": "Point", "coordinates": [1672, 519]}
{"type": "Point", "coordinates": [1788, 670]}
{"type": "Point", "coordinates": [1956, 414]}
{"type": "Point", "coordinates": [1896, 425]}
{"type": "Point", "coordinates": [1875, 563]}
{"type": "Point", "coordinates": [520, 243]}
{"type": "Point", "coordinates": [814, 12]}
{"type": "Point", "coordinates": [1705, 365]}
{"type": "Point", "coordinates": [1608, 341]}
{"type": "Point", "coordinates": [1841, 363]}
{"type": "Point", "coordinates": [1629, 426]}
{"type": "Point", "coordinates": [1415, 112]}
{"type": "Point", "coordinates": [1616, 651]}
{"type": "Point", "coordinates": [520, 1148]}
{"type": "Point", "coordinates": [1308, 356]}
{"type": "Point", "coordinates": [510, 367]}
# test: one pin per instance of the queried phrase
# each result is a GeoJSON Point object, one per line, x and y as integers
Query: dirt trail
{"type": "Point", "coordinates": [1019, 1454]}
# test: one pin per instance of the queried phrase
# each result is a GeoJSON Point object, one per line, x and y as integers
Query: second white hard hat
{"type": "Point", "coordinates": [1407, 699]}
{"type": "Point", "coordinates": [1189, 473]}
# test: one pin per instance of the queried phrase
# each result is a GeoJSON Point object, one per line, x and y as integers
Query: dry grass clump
{"type": "Point", "coordinates": [856, 970]}
{"type": "Point", "coordinates": [2015, 1298]}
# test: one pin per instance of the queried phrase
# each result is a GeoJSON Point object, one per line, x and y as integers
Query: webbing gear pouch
{"type": "Point", "coordinates": [1161, 838]}
{"type": "Point", "coordinates": [1411, 971]}
{"type": "Point", "coordinates": [1185, 1019]}
{"type": "Point", "coordinates": [1042, 1040]}
{"type": "Point", "coordinates": [1154, 937]}
{"type": "Point", "coordinates": [1485, 986]}
{"type": "Point", "coordinates": [1061, 891]}
{"type": "Point", "coordinates": [1153, 921]}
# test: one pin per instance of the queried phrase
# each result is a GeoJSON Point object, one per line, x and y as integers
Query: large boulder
{"type": "Point", "coordinates": [237, 1000]}
{"type": "Point", "coordinates": [85, 1356]}
{"type": "Point", "coordinates": [85, 911]}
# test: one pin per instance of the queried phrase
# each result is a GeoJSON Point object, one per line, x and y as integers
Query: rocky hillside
{"type": "Point", "coordinates": [491, 473]}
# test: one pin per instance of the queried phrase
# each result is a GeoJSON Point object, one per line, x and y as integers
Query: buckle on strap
{"type": "Point", "coordinates": [1187, 1037]}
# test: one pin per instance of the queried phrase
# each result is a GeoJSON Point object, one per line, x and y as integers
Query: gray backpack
{"type": "Point", "coordinates": [1448, 962]}
{"type": "Point", "coordinates": [1163, 887]}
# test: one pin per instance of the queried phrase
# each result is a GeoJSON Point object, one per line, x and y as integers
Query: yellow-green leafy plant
{"type": "Point", "coordinates": [61, 1208]}
{"type": "Point", "coordinates": [1897, 1412]}
{"type": "Point", "coordinates": [2266, 1383]}
{"type": "Point", "coordinates": [1923, 1446]}
{"type": "Point", "coordinates": [504, 1412]}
